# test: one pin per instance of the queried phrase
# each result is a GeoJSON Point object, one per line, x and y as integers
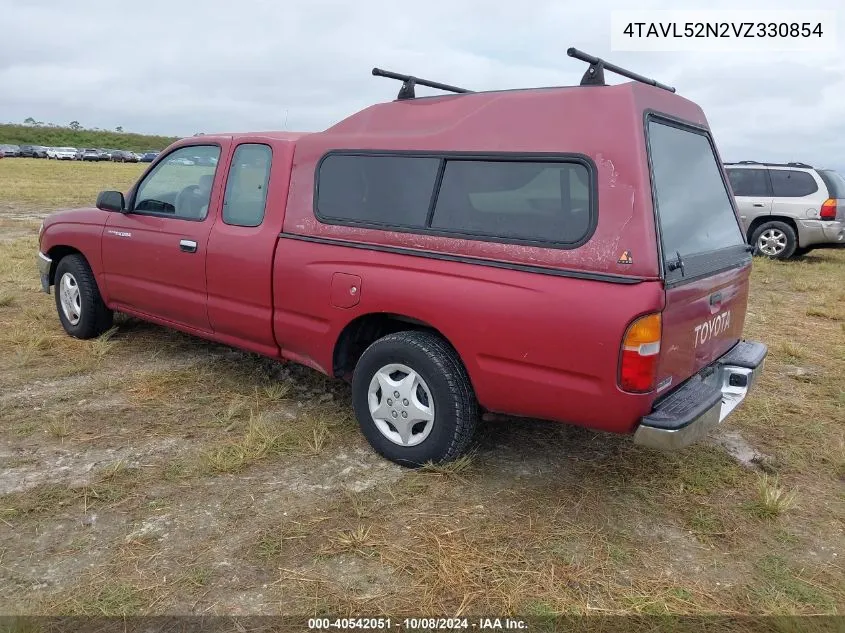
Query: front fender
{"type": "Point", "coordinates": [61, 237]}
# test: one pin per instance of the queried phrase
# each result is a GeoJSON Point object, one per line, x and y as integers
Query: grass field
{"type": "Point", "coordinates": [149, 472]}
{"type": "Point", "coordinates": [36, 184]}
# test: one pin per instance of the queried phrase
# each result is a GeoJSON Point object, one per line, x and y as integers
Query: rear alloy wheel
{"type": "Point", "coordinates": [78, 302]}
{"type": "Point", "coordinates": [776, 240]}
{"type": "Point", "coordinates": [413, 399]}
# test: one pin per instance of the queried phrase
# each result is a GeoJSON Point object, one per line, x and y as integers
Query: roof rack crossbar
{"type": "Point", "coordinates": [595, 73]}
{"type": "Point", "coordinates": [409, 82]}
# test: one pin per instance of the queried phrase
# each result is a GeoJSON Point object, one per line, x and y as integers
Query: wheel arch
{"type": "Point", "coordinates": [57, 253]}
{"type": "Point", "coordinates": [759, 221]}
{"type": "Point", "coordinates": [365, 329]}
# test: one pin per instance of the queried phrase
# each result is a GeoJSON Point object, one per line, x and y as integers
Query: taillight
{"type": "Point", "coordinates": [640, 352]}
{"type": "Point", "coordinates": [828, 211]}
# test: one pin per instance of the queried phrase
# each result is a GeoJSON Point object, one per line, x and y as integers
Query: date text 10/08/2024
{"type": "Point", "coordinates": [412, 624]}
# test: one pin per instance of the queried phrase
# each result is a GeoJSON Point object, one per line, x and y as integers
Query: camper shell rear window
{"type": "Point", "coordinates": [548, 200]}
{"type": "Point", "coordinates": [698, 227]}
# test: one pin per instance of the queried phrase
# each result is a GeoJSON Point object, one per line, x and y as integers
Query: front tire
{"type": "Point", "coordinates": [81, 309]}
{"type": "Point", "coordinates": [434, 416]}
{"type": "Point", "coordinates": [775, 240]}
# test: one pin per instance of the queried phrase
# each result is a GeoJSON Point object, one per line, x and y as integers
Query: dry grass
{"type": "Point", "coordinates": [62, 184]}
{"type": "Point", "coordinates": [260, 441]}
{"type": "Point", "coordinates": [263, 497]}
{"type": "Point", "coordinates": [358, 541]}
{"type": "Point", "coordinates": [772, 500]}
{"type": "Point", "coordinates": [107, 487]}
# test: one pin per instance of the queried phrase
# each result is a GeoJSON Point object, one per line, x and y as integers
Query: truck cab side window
{"type": "Point", "coordinates": [180, 185]}
{"type": "Point", "coordinates": [246, 187]}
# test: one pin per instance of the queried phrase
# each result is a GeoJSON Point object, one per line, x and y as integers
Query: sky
{"type": "Point", "coordinates": [178, 67]}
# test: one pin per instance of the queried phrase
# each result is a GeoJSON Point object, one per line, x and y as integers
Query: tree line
{"type": "Point", "coordinates": [33, 132]}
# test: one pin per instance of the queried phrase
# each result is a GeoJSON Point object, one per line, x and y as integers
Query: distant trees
{"type": "Point", "coordinates": [75, 135]}
{"type": "Point", "coordinates": [119, 128]}
{"type": "Point", "coordinates": [29, 121]}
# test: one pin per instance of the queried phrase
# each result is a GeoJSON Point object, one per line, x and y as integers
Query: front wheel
{"type": "Point", "coordinates": [78, 302]}
{"type": "Point", "coordinates": [413, 399]}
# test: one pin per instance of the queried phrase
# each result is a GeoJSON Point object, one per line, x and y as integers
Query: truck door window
{"type": "Point", "coordinates": [180, 185]}
{"type": "Point", "coordinates": [246, 186]}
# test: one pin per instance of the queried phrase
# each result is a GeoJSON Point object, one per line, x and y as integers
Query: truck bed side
{"type": "Point", "coordinates": [491, 315]}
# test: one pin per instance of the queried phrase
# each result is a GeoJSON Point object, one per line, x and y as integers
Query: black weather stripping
{"type": "Point", "coordinates": [409, 81]}
{"type": "Point", "coordinates": [595, 73]}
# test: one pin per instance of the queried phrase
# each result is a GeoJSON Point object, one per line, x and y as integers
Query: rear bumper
{"type": "Point", "coordinates": [821, 232]}
{"type": "Point", "coordinates": [687, 414]}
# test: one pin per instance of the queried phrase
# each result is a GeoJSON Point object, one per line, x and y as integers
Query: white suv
{"type": "Point", "coordinates": [788, 209]}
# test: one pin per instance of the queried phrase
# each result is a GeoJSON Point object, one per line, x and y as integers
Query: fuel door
{"type": "Point", "coordinates": [346, 290]}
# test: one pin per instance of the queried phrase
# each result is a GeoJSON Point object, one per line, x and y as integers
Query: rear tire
{"type": "Point", "coordinates": [434, 417]}
{"type": "Point", "coordinates": [775, 240]}
{"type": "Point", "coordinates": [81, 309]}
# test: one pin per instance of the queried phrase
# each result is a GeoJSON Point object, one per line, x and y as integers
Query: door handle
{"type": "Point", "coordinates": [757, 204]}
{"type": "Point", "coordinates": [188, 246]}
{"type": "Point", "coordinates": [715, 298]}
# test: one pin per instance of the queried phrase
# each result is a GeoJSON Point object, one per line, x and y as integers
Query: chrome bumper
{"type": "Point", "coordinates": [690, 412]}
{"type": "Point", "coordinates": [44, 265]}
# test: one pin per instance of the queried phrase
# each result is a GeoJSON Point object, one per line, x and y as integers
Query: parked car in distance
{"type": "Point", "coordinates": [788, 209]}
{"type": "Point", "coordinates": [12, 151]}
{"type": "Point", "coordinates": [148, 157]}
{"type": "Point", "coordinates": [448, 256]}
{"type": "Point", "coordinates": [63, 153]}
{"type": "Point", "coordinates": [29, 151]}
{"type": "Point", "coordinates": [40, 151]}
{"type": "Point", "coordinates": [206, 161]}
{"type": "Point", "coordinates": [123, 156]}
{"type": "Point", "coordinates": [91, 154]}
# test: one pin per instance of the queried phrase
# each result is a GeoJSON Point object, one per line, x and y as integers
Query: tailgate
{"type": "Point", "coordinates": [702, 321]}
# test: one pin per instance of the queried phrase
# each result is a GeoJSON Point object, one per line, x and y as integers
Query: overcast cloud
{"type": "Point", "coordinates": [181, 66]}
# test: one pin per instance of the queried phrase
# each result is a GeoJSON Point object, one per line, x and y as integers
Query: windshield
{"type": "Point", "coordinates": [693, 204]}
{"type": "Point", "coordinates": [834, 182]}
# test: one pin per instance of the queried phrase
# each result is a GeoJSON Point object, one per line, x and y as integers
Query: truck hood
{"type": "Point", "coordinates": [85, 215]}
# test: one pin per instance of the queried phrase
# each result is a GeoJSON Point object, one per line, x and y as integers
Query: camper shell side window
{"type": "Point", "coordinates": [548, 200]}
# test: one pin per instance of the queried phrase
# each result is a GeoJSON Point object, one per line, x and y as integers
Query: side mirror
{"type": "Point", "coordinates": [111, 201]}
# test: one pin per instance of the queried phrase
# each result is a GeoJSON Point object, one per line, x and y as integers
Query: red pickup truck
{"type": "Point", "coordinates": [569, 253]}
